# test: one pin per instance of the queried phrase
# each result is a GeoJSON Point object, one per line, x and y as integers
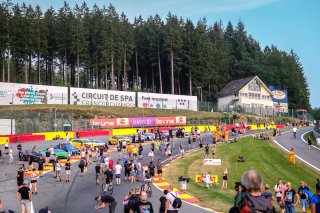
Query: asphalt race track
{"type": "Point", "coordinates": [78, 195]}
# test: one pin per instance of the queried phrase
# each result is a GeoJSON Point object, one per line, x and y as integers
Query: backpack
{"type": "Point", "coordinates": [127, 166]}
{"type": "Point", "coordinates": [177, 202]}
{"type": "Point", "coordinates": [257, 204]}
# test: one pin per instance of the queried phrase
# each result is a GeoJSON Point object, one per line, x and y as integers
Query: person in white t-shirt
{"type": "Point", "coordinates": [170, 199]}
{"type": "Point", "coordinates": [51, 150]}
{"type": "Point", "coordinates": [277, 190]}
{"type": "Point", "coordinates": [294, 129]}
{"type": "Point", "coordinates": [118, 170]}
{"type": "Point", "coordinates": [318, 142]}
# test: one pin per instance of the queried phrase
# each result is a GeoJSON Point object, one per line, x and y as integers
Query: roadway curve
{"type": "Point", "coordinates": [310, 157]}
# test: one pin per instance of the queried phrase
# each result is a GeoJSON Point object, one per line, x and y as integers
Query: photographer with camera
{"type": "Point", "coordinates": [250, 198]}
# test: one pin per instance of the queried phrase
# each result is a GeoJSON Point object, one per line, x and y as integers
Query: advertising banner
{"type": "Point", "coordinates": [80, 96]}
{"type": "Point", "coordinates": [123, 122]}
{"type": "Point", "coordinates": [106, 123]}
{"type": "Point", "coordinates": [280, 99]}
{"type": "Point", "coordinates": [20, 94]}
{"type": "Point", "coordinates": [166, 101]}
{"type": "Point", "coordinates": [170, 121]}
{"type": "Point", "coordinates": [214, 178]}
{"type": "Point", "coordinates": [213, 162]}
{"type": "Point", "coordinates": [139, 122]}
{"type": "Point", "coordinates": [142, 122]}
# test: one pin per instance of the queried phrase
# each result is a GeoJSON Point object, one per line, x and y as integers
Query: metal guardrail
{"type": "Point", "coordinates": [315, 131]}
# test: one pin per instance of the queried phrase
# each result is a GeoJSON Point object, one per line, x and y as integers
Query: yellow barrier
{"type": "Point", "coordinates": [261, 127]}
{"type": "Point", "coordinates": [3, 140]}
{"type": "Point", "coordinates": [125, 131]}
{"type": "Point", "coordinates": [201, 128]}
{"type": "Point", "coordinates": [214, 178]}
{"type": "Point", "coordinates": [52, 135]}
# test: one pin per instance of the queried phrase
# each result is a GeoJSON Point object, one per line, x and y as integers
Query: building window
{"type": "Point", "coordinates": [254, 86]}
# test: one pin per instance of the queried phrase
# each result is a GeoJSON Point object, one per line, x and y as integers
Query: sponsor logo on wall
{"type": "Point", "coordinates": [102, 97]}
{"type": "Point", "coordinates": [139, 122]}
{"type": "Point", "coordinates": [21, 94]}
{"type": "Point", "coordinates": [166, 101]}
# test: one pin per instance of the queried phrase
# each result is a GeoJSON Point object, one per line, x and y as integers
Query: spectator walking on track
{"type": "Point", "coordinates": [68, 170]}
{"type": "Point", "coordinates": [118, 169]}
{"type": "Point", "coordinates": [143, 205]}
{"type": "Point", "coordinates": [24, 195]}
{"type": "Point", "coordinates": [172, 199]}
{"type": "Point", "coordinates": [105, 201]}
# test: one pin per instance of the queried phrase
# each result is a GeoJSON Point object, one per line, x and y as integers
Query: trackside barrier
{"type": "Point", "coordinates": [87, 133]}
{"type": "Point", "coordinates": [262, 127]}
{"type": "Point", "coordinates": [125, 131]}
{"type": "Point", "coordinates": [3, 140]}
{"type": "Point", "coordinates": [20, 138]}
{"type": "Point", "coordinates": [54, 135]}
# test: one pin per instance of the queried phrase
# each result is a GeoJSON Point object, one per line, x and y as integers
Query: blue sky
{"type": "Point", "coordinates": [289, 24]}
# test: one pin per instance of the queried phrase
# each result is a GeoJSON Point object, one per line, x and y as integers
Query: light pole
{"type": "Point", "coordinates": [11, 120]}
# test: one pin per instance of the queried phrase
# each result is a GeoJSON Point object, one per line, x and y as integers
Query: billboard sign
{"type": "Point", "coordinates": [279, 95]}
{"type": "Point", "coordinates": [280, 99]}
{"type": "Point", "coordinates": [166, 101]}
{"type": "Point", "coordinates": [21, 94]}
{"type": "Point", "coordinates": [80, 96]}
{"type": "Point", "coordinates": [106, 123]}
{"type": "Point", "coordinates": [170, 121]}
{"type": "Point", "coordinates": [213, 162]}
{"type": "Point", "coordinates": [142, 122]}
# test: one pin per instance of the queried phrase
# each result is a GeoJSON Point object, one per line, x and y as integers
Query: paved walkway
{"type": "Point", "coordinates": [310, 157]}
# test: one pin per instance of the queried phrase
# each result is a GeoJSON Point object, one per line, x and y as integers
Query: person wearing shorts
{"type": "Point", "coordinates": [68, 170]}
{"type": "Point", "coordinates": [159, 169]}
{"type": "Point", "coordinates": [10, 156]}
{"type": "Point", "coordinates": [58, 170]}
{"type": "Point", "coordinates": [118, 169]}
{"type": "Point", "coordinates": [24, 195]}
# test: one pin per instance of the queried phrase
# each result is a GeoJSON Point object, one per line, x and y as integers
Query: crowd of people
{"type": "Point", "coordinates": [255, 196]}
{"type": "Point", "coordinates": [129, 165]}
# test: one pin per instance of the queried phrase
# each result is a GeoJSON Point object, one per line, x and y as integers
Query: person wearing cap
{"type": "Point", "coordinates": [24, 195]}
{"type": "Point", "coordinates": [315, 200]}
{"type": "Point", "coordinates": [288, 199]}
{"type": "Point", "coordinates": [303, 196]}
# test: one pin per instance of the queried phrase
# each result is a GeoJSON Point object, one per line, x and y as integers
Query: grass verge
{"type": "Point", "coordinates": [263, 156]}
{"type": "Point", "coordinates": [113, 112]}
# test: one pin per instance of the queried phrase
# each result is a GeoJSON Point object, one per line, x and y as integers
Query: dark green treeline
{"type": "Point", "coordinates": [99, 48]}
